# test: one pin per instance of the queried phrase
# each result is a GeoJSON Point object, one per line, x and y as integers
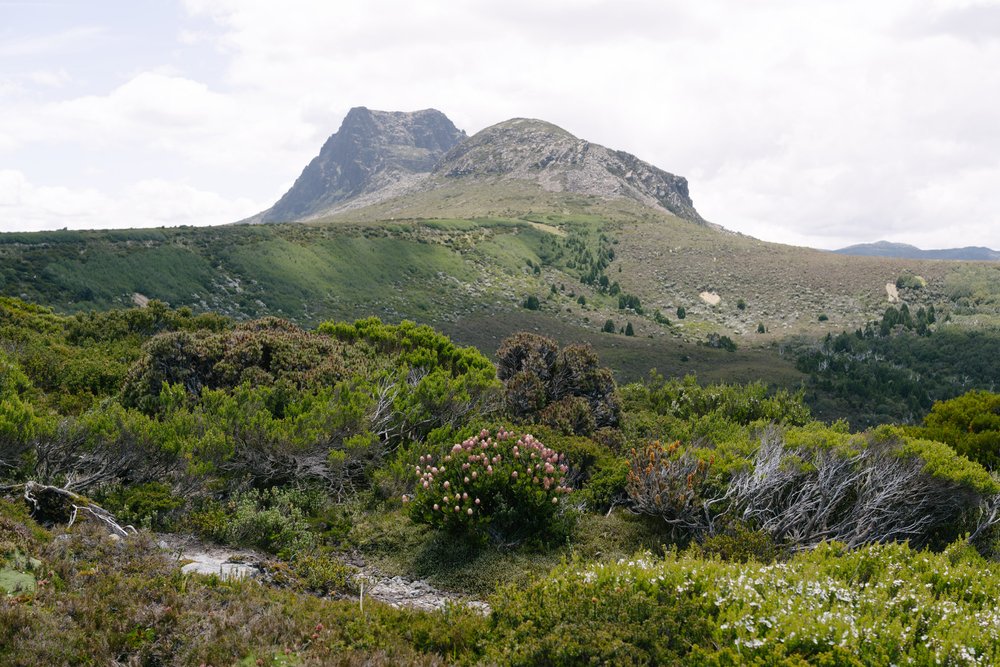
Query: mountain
{"type": "Point", "coordinates": [533, 150]}
{"type": "Point", "coordinates": [391, 160]}
{"type": "Point", "coordinates": [906, 251]}
{"type": "Point", "coordinates": [373, 151]}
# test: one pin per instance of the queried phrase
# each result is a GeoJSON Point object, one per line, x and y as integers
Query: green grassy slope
{"type": "Point", "coordinates": [466, 259]}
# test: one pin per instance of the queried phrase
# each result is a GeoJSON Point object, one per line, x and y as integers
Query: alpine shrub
{"type": "Point", "coordinates": [506, 486]}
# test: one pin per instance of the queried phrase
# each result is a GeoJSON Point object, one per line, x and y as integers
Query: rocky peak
{"type": "Point", "coordinates": [531, 149]}
{"type": "Point", "coordinates": [372, 150]}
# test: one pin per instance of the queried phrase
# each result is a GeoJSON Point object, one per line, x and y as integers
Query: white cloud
{"type": "Point", "coordinates": [147, 203]}
{"type": "Point", "coordinates": [49, 43]}
{"type": "Point", "coordinates": [821, 123]}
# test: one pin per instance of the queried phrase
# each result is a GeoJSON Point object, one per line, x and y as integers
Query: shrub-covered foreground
{"type": "Point", "coordinates": [883, 604]}
{"type": "Point", "coordinates": [880, 605]}
{"type": "Point", "coordinates": [302, 444]}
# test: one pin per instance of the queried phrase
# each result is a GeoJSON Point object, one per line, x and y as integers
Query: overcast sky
{"type": "Point", "coordinates": [819, 123]}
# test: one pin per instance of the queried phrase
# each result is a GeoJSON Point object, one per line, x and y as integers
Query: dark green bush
{"type": "Point", "coordinates": [970, 424]}
{"type": "Point", "coordinates": [507, 486]}
{"type": "Point", "coordinates": [150, 505]}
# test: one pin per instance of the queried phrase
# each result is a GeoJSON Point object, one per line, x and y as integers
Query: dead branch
{"type": "Point", "coordinates": [53, 504]}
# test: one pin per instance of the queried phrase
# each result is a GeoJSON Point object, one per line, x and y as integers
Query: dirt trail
{"type": "Point", "coordinates": [197, 556]}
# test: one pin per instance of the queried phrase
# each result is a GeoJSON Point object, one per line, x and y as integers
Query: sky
{"type": "Point", "coordinates": [820, 123]}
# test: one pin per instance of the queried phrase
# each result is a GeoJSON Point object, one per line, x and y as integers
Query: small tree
{"type": "Point", "coordinates": [629, 331]}
{"type": "Point", "coordinates": [531, 303]}
{"type": "Point", "coordinates": [537, 374]}
{"type": "Point", "coordinates": [681, 312]}
{"type": "Point", "coordinates": [609, 327]}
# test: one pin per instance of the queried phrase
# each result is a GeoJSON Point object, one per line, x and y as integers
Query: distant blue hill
{"type": "Point", "coordinates": [905, 251]}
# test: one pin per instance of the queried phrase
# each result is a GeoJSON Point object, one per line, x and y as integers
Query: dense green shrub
{"type": "Point", "coordinates": [150, 505]}
{"type": "Point", "coordinates": [969, 423]}
{"type": "Point", "coordinates": [274, 520]}
{"type": "Point", "coordinates": [261, 352]}
{"type": "Point", "coordinates": [507, 486]}
{"type": "Point", "coordinates": [557, 387]}
{"type": "Point", "coordinates": [596, 472]}
{"type": "Point", "coordinates": [742, 404]}
{"type": "Point", "coordinates": [910, 281]}
{"type": "Point", "coordinates": [880, 605]}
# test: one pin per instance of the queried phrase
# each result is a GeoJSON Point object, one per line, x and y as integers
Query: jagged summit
{"type": "Point", "coordinates": [379, 157]}
{"type": "Point", "coordinates": [535, 150]}
{"type": "Point", "coordinates": [372, 151]}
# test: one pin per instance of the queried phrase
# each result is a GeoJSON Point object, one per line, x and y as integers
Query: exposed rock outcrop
{"type": "Point", "coordinates": [534, 150]}
{"type": "Point", "coordinates": [379, 156]}
{"type": "Point", "coordinates": [373, 151]}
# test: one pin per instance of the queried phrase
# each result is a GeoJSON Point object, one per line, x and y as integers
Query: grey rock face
{"type": "Point", "coordinates": [372, 150]}
{"type": "Point", "coordinates": [377, 156]}
{"type": "Point", "coordinates": [535, 150]}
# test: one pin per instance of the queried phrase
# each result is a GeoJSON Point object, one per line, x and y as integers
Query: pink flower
{"type": "Point", "coordinates": [554, 500]}
{"type": "Point", "coordinates": [469, 512]}
{"type": "Point", "coordinates": [447, 484]}
{"type": "Point", "coordinates": [514, 474]}
{"type": "Point", "coordinates": [466, 479]}
{"type": "Point", "coordinates": [436, 507]}
{"type": "Point", "coordinates": [406, 498]}
{"type": "Point", "coordinates": [457, 508]}
{"type": "Point", "coordinates": [474, 474]}
{"type": "Point", "coordinates": [477, 501]}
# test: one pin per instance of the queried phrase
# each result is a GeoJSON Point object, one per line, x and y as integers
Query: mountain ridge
{"type": "Point", "coordinates": [381, 156]}
{"type": "Point", "coordinates": [907, 251]}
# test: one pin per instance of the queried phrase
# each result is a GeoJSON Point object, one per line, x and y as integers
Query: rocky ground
{"type": "Point", "coordinates": [199, 557]}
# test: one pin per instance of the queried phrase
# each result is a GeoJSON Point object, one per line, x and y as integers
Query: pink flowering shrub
{"type": "Point", "coordinates": [504, 486]}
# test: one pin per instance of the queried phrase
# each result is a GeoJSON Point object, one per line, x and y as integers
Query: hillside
{"type": "Point", "coordinates": [521, 226]}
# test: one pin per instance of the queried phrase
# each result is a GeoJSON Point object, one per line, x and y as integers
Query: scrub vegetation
{"type": "Point", "coordinates": [661, 521]}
